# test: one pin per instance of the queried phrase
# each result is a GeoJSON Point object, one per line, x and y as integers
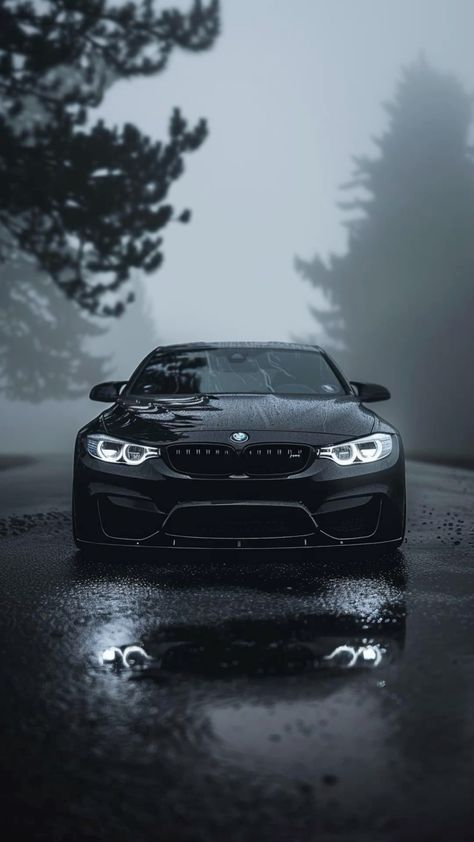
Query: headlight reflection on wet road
{"type": "Point", "coordinates": [124, 657]}
{"type": "Point", "coordinates": [340, 623]}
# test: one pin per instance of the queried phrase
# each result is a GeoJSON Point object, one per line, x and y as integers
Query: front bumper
{"type": "Point", "coordinates": [151, 505]}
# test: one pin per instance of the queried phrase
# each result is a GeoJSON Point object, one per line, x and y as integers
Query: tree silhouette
{"type": "Point", "coordinates": [132, 336]}
{"type": "Point", "coordinates": [399, 301]}
{"type": "Point", "coordinates": [84, 203]}
{"type": "Point", "coordinates": [44, 338]}
{"type": "Point", "coordinates": [89, 203]}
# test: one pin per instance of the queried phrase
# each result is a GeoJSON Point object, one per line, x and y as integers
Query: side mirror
{"type": "Point", "coordinates": [371, 392]}
{"type": "Point", "coordinates": [106, 392]}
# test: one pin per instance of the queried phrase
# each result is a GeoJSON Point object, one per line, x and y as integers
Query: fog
{"type": "Point", "coordinates": [292, 92]}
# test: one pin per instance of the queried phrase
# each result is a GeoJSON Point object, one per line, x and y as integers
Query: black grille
{"type": "Point", "coordinates": [253, 460]}
{"type": "Point", "coordinates": [275, 459]}
{"type": "Point", "coordinates": [203, 459]}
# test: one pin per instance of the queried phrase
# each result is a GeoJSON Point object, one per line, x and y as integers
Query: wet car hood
{"type": "Point", "coordinates": [170, 419]}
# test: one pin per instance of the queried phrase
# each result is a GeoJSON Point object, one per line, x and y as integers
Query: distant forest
{"type": "Point", "coordinates": [399, 301]}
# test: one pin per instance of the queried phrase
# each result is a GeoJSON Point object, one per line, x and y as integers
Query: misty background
{"type": "Point", "coordinates": [292, 93]}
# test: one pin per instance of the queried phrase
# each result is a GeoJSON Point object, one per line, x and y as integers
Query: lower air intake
{"type": "Point", "coordinates": [239, 521]}
{"type": "Point", "coordinates": [357, 521]}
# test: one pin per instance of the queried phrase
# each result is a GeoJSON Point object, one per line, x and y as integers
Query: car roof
{"type": "Point", "coordinates": [294, 346]}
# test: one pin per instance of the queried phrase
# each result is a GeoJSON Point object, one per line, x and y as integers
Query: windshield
{"type": "Point", "coordinates": [236, 370]}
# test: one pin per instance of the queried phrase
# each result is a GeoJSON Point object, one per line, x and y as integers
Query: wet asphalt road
{"type": "Point", "coordinates": [270, 698]}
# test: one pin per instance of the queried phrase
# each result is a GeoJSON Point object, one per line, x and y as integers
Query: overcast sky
{"type": "Point", "coordinates": [292, 91]}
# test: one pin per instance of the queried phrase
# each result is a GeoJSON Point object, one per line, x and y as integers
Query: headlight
{"type": "Point", "coordinates": [368, 449]}
{"type": "Point", "coordinates": [115, 450]}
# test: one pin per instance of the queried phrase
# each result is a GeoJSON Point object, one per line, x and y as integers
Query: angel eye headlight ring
{"type": "Point", "coordinates": [112, 450]}
{"type": "Point", "coordinates": [107, 450]}
{"type": "Point", "coordinates": [359, 451]}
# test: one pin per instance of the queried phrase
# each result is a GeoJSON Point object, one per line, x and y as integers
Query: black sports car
{"type": "Point", "coordinates": [243, 445]}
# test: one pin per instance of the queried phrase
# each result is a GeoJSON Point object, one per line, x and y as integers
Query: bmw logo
{"type": "Point", "coordinates": [239, 437]}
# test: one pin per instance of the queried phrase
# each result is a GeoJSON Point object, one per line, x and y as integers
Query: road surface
{"type": "Point", "coordinates": [261, 699]}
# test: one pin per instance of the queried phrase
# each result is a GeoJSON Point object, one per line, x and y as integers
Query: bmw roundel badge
{"type": "Point", "coordinates": [239, 437]}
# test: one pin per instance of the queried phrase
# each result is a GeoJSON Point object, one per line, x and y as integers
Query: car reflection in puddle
{"type": "Point", "coordinates": [343, 621]}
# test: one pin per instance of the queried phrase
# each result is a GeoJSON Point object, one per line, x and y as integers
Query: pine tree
{"type": "Point", "coordinates": [400, 299]}
{"type": "Point", "coordinates": [85, 203]}
{"type": "Point", "coordinates": [44, 339]}
{"type": "Point", "coordinates": [89, 203]}
{"type": "Point", "coordinates": [132, 336]}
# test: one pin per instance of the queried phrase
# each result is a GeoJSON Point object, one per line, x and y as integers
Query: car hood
{"type": "Point", "coordinates": [173, 419]}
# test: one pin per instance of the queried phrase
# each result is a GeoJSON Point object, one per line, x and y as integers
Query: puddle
{"type": "Point", "coordinates": [353, 623]}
